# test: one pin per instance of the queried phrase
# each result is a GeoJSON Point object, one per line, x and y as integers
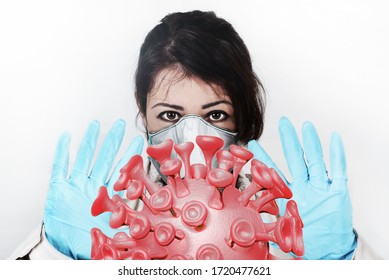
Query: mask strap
{"type": "Point", "coordinates": [147, 133]}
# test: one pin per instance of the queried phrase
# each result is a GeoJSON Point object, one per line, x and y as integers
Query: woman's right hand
{"type": "Point", "coordinates": [67, 217]}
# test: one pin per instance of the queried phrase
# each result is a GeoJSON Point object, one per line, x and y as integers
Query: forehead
{"type": "Point", "coordinates": [173, 86]}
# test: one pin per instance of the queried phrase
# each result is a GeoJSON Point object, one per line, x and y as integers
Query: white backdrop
{"type": "Point", "coordinates": [65, 63]}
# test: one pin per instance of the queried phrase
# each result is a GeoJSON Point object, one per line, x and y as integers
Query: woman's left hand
{"type": "Point", "coordinates": [323, 203]}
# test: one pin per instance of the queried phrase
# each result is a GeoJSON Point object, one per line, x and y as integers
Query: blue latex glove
{"type": "Point", "coordinates": [67, 217]}
{"type": "Point", "coordinates": [323, 203]}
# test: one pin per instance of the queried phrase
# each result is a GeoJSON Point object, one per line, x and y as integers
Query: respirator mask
{"type": "Point", "coordinates": [186, 130]}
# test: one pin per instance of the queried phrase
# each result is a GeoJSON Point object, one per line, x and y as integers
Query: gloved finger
{"type": "Point", "coordinates": [135, 148]}
{"type": "Point", "coordinates": [86, 151]}
{"type": "Point", "coordinates": [261, 155]}
{"type": "Point", "coordinates": [108, 152]}
{"type": "Point", "coordinates": [293, 151]}
{"type": "Point", "coordinates": [314, 154]}
{"type": "Point", "coordinates": [61, 158]}
{"type": "Point", "coordinates": [338, 162]}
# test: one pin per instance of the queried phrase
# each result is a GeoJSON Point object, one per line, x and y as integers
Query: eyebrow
{"type": "Point", "coordinates": [206, 106]}
{"type": "Point", "coordinates": [177, 107]}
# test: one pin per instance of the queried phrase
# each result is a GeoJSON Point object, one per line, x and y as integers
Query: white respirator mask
{"type": "Point", "coordinates": [186, 130]}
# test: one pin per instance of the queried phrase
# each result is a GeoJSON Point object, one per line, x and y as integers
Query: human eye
{"type": "Point", "coordinates": [169, 116]}
{"type": "Point", "coordinates": [217, 116]}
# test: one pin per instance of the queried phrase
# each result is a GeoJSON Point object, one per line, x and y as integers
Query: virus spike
{"type": "Point", "coordinates": [242, 233]}
{"type": "Point", "coordinates": [118, 217]}
{"type": "Point", "coordinates": [241, 156]}
{"type": "Point", "coordinates": [161, 152]}
{"type": "Point", "coordinates": [122, 183]}
{"type": "Point", "coordinates": [292, 211]}
{"type": "Point", "coordinates": [266, 197]}
{"type": "Point", "coordinates": [209, 252]}
{"type": "Point", "coordinates": [240, 152]}
{"type": "Point", "coordinates": [124, 255]}
{"type": "Point", "coordinates": [258, 162]}
{"type": "Point", "coordinates": [180, 234]}
{"type": "Point", "coordinates": [140, 254]}
{"type": "Point", "coordinates": [109, 253]}
{"type": "Point", "coordinates": [282, 190]}
{"type": "Point", "coordinates": [178, 257]}
{"type": "Point", "coordinates": [216, 201]}
{"type": "Point", "coordinates": [162, 200]}
{"type": "Point", "coordinates": [181, 189]}
{"type": "Point", "coordinates": [198, 171]}
{"type": "Point", "coordinates": [146, 201]}
{"type": "Point", "coordinates": [248, 193]}
{"type": "Point", "coordinates": [194, 214]}
{"type": "Point", "coordinates": [261, 176]}
{"type": "Point", "coordinates": [271, 207]}
{"type": "Point", "coordinates": [286, 231]}
{"type": "Point", "coordinates": [122, 213]}
{"type": "Point", "coordinates": [124, 178]}
{"type": "Point", "coordinates": [102, 202]}
{"type": "Point", "coordinates": [123, 242]}
{"type": "Point", "coordinates": [159, 253]}
{"type": "Point", "coordinates": [220, 178]}
{"type": "Point", "coordinates": [184, 150]}
{"type": "Point", "coordinates": [292, 214]}
{"type": "Point", "coordinates": [134, 170]}
{"type": "Point", "coordinates": [164, 234]}
{"type": "Point", "coordinates": [99, 239]}
{"type": "Point", "coordinates": [268, 234]}
{"type": "Point", "coordinates": [209, 145]}
{"type": "Point", "coordinates": [140, 227]}
{"type": "Point", "coordinates": [225, 160]}
{"type": "Point", "coordinates": [274, 185]}
{"type": "Point", "coordinates": [134, 190]}
{"type": "Point", "coordinates": [172, 167]}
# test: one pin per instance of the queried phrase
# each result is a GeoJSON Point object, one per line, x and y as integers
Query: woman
{"type": "Point", "coordinates": [194, 71]}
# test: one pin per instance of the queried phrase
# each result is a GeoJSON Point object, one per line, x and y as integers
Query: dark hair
{"type": "Point", "coordinates": [204, 46]}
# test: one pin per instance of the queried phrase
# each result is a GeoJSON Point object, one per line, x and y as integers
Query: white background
{"type": "Point", "coordinates": [65, 63]}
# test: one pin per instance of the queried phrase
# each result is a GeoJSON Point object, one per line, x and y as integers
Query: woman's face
{"type": "Point", "coordinates": [174, 97]}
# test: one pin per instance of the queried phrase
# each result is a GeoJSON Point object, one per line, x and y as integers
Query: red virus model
{"type": "Point", "coordinates": [202, 216]}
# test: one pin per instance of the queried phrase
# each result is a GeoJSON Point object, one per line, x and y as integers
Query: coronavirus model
{"type": "Point", "coordinates": [201, 216]}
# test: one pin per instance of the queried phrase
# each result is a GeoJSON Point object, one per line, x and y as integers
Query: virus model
{"type": "Point", "coordinates": [201, 216]}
